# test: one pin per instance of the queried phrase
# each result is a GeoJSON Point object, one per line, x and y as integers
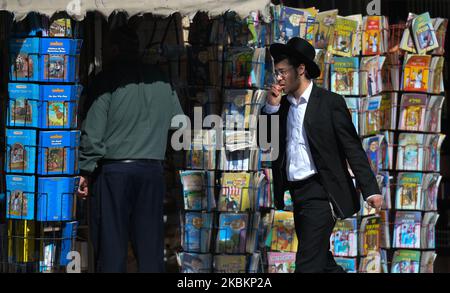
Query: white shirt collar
{"type": "Point", "coordinates": [306, 94]}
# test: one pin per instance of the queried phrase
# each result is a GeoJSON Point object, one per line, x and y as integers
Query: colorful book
{"type": "Point", "coordinates": [323, 60]}
{"type": "Point", "coordinates": [344, 239]}
{"type": "Point", "coordinates": [344, 37]}
{"type": "Point", "coordinates": [416, 71]}
{"type": "Point", "coordinates": [412, 112]}
{"type": "Point", "coordinates": [56, 198]}
{"type": "Point", "coordinates": [407, 41]}
{"type": "Point", "coordinates": [370, 235]}
{"type": "Point", "coordinates": [283, 236]}
{"type": "Point", "coordinates": [194, 190]}
{"type": "Point", "coordinates": [236, 108]}
{"type": "Point", "coordinates": [61, 28]}
{"type": "Point", "coordinates": [373, 147]}
{"type": "Point", "coordinates": [21, 151]}
{"type": "Point", "coordinates": [371, 81]}
{"type": "Point", "coordinates": [58, 152]}
{"type": "Point", "coordinates": [24, 59]}
{"type": "Point", "coordinates": [230, 264]}
{"type": "Point", "coordinates": [235, 192]}
{"type": "Point", "coordinates": [59, 106]}
{"type": "Point", "coordinates": [281, 262]}
{"type": "Point", "coordinates": [345, 75]}
{"type": "Point", "coordinates": [436, 80]}
{"type": "Point", "coordinates": [389, 111]}
{"type": "Point", "coordinates": [410, 153]}
{"type": "Point", "coordinates": [348, 264]}
{"type": "Point", "coordinates": [372, 43]}
{"type": "Point", "coordinates": [20, 195]}
{"type": "Point", "coordinates": [232, 233]}
{"type": "Point", "coordinates": [324, 28]}
{"type": "Point", "coordinates": [197, 231]}
{"type": "Point", "coordinates": [424, 34]}
{"type": "Point", "coordinates": [440, 28]}
{"type": "Point", "coordinates": [409, 191]}
{"type": "Point", "coordinates": [195, 262]}
{"type": "Point", "coordinates": [371, 263]}
{"type": "Point", "coordinates": [23, 105]}
{"type": "Point", "coordinates": [59, 61]}
{"type": "Point", "coordinates": [406, 261]}
{"type": "Point", "coordinates": [370, 122]}
{"type": "Point", "coordinates": [238, 67]}
{"type": "Point", "coordinates": [407, 229]}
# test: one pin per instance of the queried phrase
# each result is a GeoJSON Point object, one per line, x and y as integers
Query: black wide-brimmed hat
{"type": "Point", "coordinates": [300, 49]}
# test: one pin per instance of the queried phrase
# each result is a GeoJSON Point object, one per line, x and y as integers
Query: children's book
{"type": "Point", "coordinates": [236, 109]}
{"type": "Point", "coordinates": [348, 264]}
{"type": "Point", "coordinates": [58, 152]}
{"type": "Point", "coordinates": [56, 198]}
{"type": "Point", "coordinates": [389, 111]}
{"type": "Point", "coordinates": [24, 60]}
{"type": "Point", "coordinates": [372, 147]}
{"type": "Point", "coordinates": [440, 28]}
{"type": "Point", "coordinates": [324, 28]}
{"type": "Point", "coordinates": [370, 122]}
{"type": "Point", "coordinates": [344, 239]}
{"type": "Point", "coordinates": [407, 229]}
{"type": "Point", "coordinates": [345, 75]}
{"type": "Point", "coordinates": [416, 71]}
{"type": "Point", "coordinates": [59, 106]}
{"type": "Point", "coordinates": [409, 191]}
{"type": "Point", "coordinates": [407, 41]}
{"type": "Point", "coordinates": [20, 195]}
{"type": "Point", "coordinates": [235, 192]}
{"type": "Point", "coordinates": [195, 262]}
{"type": "Point", "coordinates": [59, 59]}
{"type": "Point", "coordinates": [372, 42]}
{"type": "Point", "coordinates": [412, 112]}
{"type": "Point", "coordinates": [194, 190]}
{"type": "Point", "coordinates": [232, 233]}
{"type": "Point", "coordinates": [432, 153]}
{"type": "Point", "coordinates": [281, 262]}
{"type": "Point", "coordinates": [406, 261]}
{"type": "Point", "coordinates": [197, 230]}
{"type": "Point", "coordinates": [410, 152]}
{"type": "Point", "coordinates": [370, 235]}
{"type": "Point", "coordinates": [21, 151]}
{"type": "Point", "coordinates": [344, 37]}
{"type": "Point", "coordinates": [424, 34]}
{"type": "Point", "coordinates": [23, 105]}
{"type": "Point", "coordinates": [284, 237]}
{"type": "Point", "coordinates": [371, 82]}
{"type": "Point", "coordinates": [371, 263]}
{"type": "Point", "coordinates": [428, 230]}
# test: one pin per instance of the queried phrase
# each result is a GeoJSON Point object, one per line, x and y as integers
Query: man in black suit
{"type": "Point", "coordinates": [316, 140]}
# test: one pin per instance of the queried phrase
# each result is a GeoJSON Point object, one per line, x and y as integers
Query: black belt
{"type": "Point", "coordinates": [128, 161]}
{"type": "Point", "coordinates": [301, 183]}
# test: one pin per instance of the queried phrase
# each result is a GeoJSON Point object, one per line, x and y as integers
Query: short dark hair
{"type": "Point", "coordinates": [294, 62]}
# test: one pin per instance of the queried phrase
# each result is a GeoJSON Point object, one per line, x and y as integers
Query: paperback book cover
{"type": "Point", "coordinates": [235, 192]}
{"type": "Point", "coordinates": [24, 59]}
{"type": "Point", "coordinates": [283, 236]}
{"type": "Point", "coordinates": [407, 229]}
{"type": "Point", "coordinates": [423, 33]}
{"type": "Point", "coordinates": [409, 191]}
{"type": "Point", "coordinates": [344, 37]}
{"type": "Point", "coordinates": [20, 151]}
{"type": "Point", "coordinates": [281, 262]}
{"type": "Point", "coordinates": [406, 261]}
{"type": "Point", "coordinates": [59, 106]}
{"type": "Point", "coordinates": [324, 28]}
{"type": "Point", "coordinates": [410, 153]}
{"type": "Point", "coordinates": [344, 239]}
{"type": "Point", "coordinates": [58, 152]}
{"type": "Point", "coordinates": [23, 105]}
{"type": "Point", "coordinates": [56, 198]}
{"type": "Point", "coordinates": [345, 75]}
{"type": "Point", "coordinates": [232, 233]}
{"type": "Point", "coordinates": [416, 73]}
{"type": "Point", "coordinates": [197, 232]}
{"type": "Point", "coordinates": [195, 262]}
{"type": "Point", "coordinates": [234, 264]}
{"type": "Point", "coordinates": [20, 195]}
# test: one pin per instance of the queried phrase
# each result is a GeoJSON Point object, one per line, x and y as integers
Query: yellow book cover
{"type": "Point", "coordinates": [416, 73]}
{"type": "Point", "coordinates": [234, 195]}
{"type": "Point", "coordinates": [324, 28]}
{"type": "Point", "coordinates": [344, 37]}
{"type": "Point", "coordinates": [284, 237]}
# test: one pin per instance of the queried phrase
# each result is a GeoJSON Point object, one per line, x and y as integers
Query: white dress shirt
{"type": "Point", "coordinates": [299, 164]}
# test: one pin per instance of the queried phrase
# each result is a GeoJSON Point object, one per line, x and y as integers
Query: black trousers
{"type": "Point", "coordinates": [127, 204]}
{"type": "Point", "coordinates": [314, 224]}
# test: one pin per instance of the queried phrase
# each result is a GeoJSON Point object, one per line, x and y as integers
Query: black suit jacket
{"type": "Point", "coordinates": [333, 141]}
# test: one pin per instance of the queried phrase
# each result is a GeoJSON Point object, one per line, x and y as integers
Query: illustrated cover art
{"type": "Point", "coordinates": [281, 262]}
{"type": "Point", "coordinates": [416, 73]}
{"type": "Point", "coordinates": [409, 191]}
{"type": "Point", "coordinates": [20, 197]}
{"type": "Point", "coordinates": [234, 195]}
{"type": "Point", "coordinates": [21, 150]}
{"type": "Point", "coordinates": [232, 234]}
{"type": "Point", "coordinates": [284, 237]}
{"type": "Point", "coordinates": [406, 261]}
{"type": "Point", "coordinates": [407, 230]}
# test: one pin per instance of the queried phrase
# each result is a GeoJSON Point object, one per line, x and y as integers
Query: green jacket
{"type": "Point", "coordinates": [129, 117]}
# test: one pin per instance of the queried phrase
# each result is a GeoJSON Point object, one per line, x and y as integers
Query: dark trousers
{"type": "Point", "coordinates": [127, 203]}
{"type": "Point", "coordinates": [314, 224]}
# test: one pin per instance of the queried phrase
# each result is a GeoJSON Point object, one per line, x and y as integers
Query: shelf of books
{"type": "Point", "coordinates": [41, 159]}
{"type": "Point", "coordinates": [391, 78]}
